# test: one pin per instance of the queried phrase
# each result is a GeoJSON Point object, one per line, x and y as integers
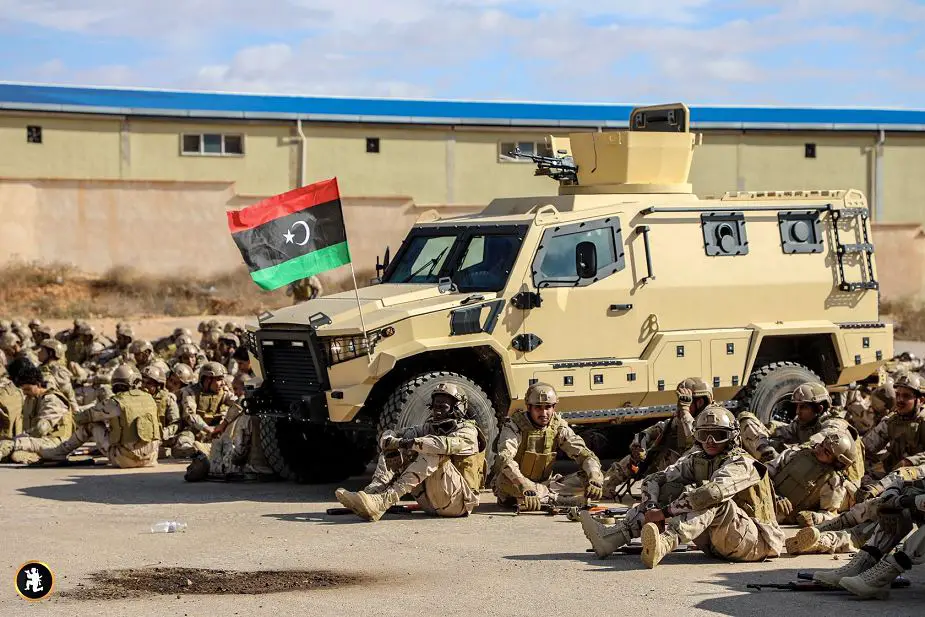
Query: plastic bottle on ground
{"type": "Point", "coordinates": [168, 527]}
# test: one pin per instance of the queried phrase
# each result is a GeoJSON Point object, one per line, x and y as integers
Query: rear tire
{"type": "Point", "coordinates": [770, 387]}
{"type": "Point", "coordinates": [314, 454]}
{"type": "Point", "coordinates": [407, 406]}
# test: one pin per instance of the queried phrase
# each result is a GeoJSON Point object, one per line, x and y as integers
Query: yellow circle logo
{"type": "Point", "coordinates": [34, 581]}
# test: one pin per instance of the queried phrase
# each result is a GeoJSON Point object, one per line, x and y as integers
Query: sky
{"type": "Point", "coordinates": [844, 53]}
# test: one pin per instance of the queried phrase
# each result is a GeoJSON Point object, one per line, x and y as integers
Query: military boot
{"type": "Point", "coordinates": [861, 561]}
{"type": "Point", "coordinates": [25, 458]}
{"type": "Point", "coordinates": [604, 540]}
{"type": "Point", "coordinates": [568, 501]}
{"type": "Point", "coordinates": [873, 582]}
{"type": "Point", "coordinates": [6, 448]}
{"type": "Point", "coordinates": [366, 506]}
{"type": "Point", "coordinates": [656, 544]}
{"type": "Point", "coordinates": [804, 519]}
{"type": "Point", "coordinates": [810, 540]}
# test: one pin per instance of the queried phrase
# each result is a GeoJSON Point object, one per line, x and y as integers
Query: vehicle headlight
{"type": "Point", "coordinates": [339, 349]}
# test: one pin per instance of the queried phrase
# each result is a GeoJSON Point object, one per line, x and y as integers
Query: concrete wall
{"type": "Point", "coordinates": [900, 260]}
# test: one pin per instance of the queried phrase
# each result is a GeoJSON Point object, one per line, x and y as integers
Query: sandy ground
{"type": "Point", "coordinates": [80, 520]}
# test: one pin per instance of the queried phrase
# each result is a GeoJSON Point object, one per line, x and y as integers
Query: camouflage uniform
{"type": "Point", "coordinates": [526, 454]}
{"type": "Point", "coordinates": [154, 382]}
{"type": "Point", "coordinates": [124, 427]}
{"type": "Point", "coordinates": [46, 421]}
{"type": "Point", "coordinates": [722, 503]}
{"type": "Point", "coordinates": [54, 371]}
{"type": "Point", "coordinates": [809, 488]}
{"type": "Point", "coordinates": [440, 463]}
{"type": "Point", "coordinates": [670, 447]}
{"type": "Point", "coordinates": [11, 403]}
{"type": "Point", "coordinates": [201, 412]}
{"type": "Point", "coordinates": [900, 507]}
{"type": "Point", "coordinates": [305, 289]}
{"type": "Point", "coordinates": [238, 450]}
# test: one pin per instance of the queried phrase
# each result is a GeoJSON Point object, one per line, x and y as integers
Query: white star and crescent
{"type": "Point", "coordinates": [290, 237]}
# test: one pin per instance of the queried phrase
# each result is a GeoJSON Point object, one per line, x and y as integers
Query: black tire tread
{"type": "Point", "coordinates": [763, 373]}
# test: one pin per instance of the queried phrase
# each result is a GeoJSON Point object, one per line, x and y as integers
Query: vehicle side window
{"type": "Point", "coordinates": [554, 264]}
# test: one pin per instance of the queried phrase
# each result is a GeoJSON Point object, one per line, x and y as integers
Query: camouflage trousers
{"type": "Point", "coordinates": [236, 443]}
{"type": "Point", "coordinates": [724, 531]}
{"type": "Point", "coordinates": [25, 449]}
{"type": "Point", "coordinates": [558, 490]}
{"type": "Point", "coordinates": [620, 471]}
{"type": "Point", "coordinates": [431, 479]}
{"type": "Point", "coordinates": [184, 445]}
{"type": "Point", "coordinates": [143, 455]}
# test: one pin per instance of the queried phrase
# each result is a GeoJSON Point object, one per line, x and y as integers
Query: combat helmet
{"type": "Point", "coordinates": [140, 346]}
{"type": "Point", "coordinates": [698, 388]}
{"type": "Point", "coordinates": [183, 372]}
{"type": "Point", "coordinates": [212, 369]}
{"type": "Point", "coordinates": [154, 373]}
{"type": "Point", "coordinates": [55, 346]}
{"type": "Point", "coordinates": [125, 375]}
{"type": "Point", "coordinates": [717, 423]}
{"type": "Point", "coordinates": [458, 409]}
{"type": "Point", "coordinates": [541, 394]}
{"type": "Point", "coordinates": [883, 399]}
{"type": "Point", "coordinates": [912, 381]}
{"type": "Point", "coordinates": [839, 444]}
{"type": "Point", "coordinates": [811, 392]}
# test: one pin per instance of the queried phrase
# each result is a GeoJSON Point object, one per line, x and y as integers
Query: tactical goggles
{"type": "Point", "coordinates": [718, 435]}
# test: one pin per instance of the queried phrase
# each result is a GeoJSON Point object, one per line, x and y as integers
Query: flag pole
{"type": "Point", "coordinates": [356, 292]}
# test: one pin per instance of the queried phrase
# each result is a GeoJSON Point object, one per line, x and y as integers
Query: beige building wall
{"type": "Point", "coordinates": [72, 147]}
{"type": "Point", "coordinates": [265, 168]}
{"type": "Point", "coordinates": [904, 178]}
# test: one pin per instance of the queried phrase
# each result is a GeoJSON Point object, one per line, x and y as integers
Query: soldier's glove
{"type": "Point", "coordinates": [531, 502]}
{"type": "Point", "coordinates": [389, 442]}
{"type": "Point", "coordinates": [685, 397]}
{"type": "Point", "coordinates": [783, 508]}
{"type": "Point", "coordinates": [595, 490]}
{"type": "Point", "coordinates": [407, 443]}
{"type": "Point", "coordinates": [866, 493]}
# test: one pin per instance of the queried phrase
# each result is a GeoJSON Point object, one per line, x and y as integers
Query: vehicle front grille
{"type": "Point", "coordinates": [291, 369]}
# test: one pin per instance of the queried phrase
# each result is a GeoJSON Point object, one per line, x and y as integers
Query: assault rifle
{"type": "Point", "coordinates": [561, 168]}
{"type": "Point", "coordinates": [805, 582]}
{"type": "Point", "coordinates": [641, 469]}
{"type": "Point", "coordinates": [399, 509]}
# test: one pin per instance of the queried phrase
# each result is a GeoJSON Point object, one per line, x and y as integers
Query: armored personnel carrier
{"type": "Point", "coordinates": [613, 290]}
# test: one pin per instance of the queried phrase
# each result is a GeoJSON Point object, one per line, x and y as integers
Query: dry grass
{"type": "Point", "coordinates": [908, 319]}
{"type": "Point", "coordinates": [56, 291]}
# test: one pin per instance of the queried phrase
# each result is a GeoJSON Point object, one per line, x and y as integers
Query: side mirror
{"type": "Point", "coordinates": [386, 260]}
{"type": "Point", "coordinates": [586, 260]}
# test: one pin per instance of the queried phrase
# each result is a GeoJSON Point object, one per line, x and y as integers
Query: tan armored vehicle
{"type": "Point", "coordinates": [613, 291]}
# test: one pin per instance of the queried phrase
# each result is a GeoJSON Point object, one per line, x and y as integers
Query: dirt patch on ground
{"type": "Point", "coordinates": [138, 582]}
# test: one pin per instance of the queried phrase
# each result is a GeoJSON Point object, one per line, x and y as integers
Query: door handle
{"type": "Point", "coordinates": [620, 307]}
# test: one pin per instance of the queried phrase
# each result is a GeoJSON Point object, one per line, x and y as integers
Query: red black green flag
{"type": "Point", "coordinates": [292, 236]}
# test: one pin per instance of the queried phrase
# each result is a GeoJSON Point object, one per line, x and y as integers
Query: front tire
{"type": "Point", "coordinates": [769, 389]}
{"type": "Point", "coordinates": [407, 405]}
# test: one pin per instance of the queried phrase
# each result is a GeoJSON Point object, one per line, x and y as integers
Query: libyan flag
{"type": "Point", "coordinates": [292, 236]}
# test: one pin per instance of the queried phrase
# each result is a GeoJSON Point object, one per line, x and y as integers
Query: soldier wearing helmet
{"type": "Point", "coordinates": [23, 332]}
{"type": "Point", "coordinates": [143, 355]}
{"type": "Point", "coordinates": [46, 418]}
{"type": "Point", "coordinates": [209, 342]}
{"type": "Point", "coordinates": [41, 332]}
{"type": "Point", "coordinates": [154, 382]}
{"type": "Point", "coordinates": [305, 289]}
{"type": "Point", "coordinates": [810, 480]}
{"type": "Point", "coordinates": [528, 444]}
{"type": "Point", "coordinates": [860, 408]}
{"type": "Point", "coordinates": [11, 402]}
{"type": "Point", "coordinates": [228, 343]}
{"type": "Point", "coordinates": [662, 443]}
{"type": "Point", "coordinates": [124, 426]}
{"type": "Point", "coordinates": [80, 341]}
{"type": "Point", "coordinates": [179, 377]}
{"type": "Point", "coordinates": [190, 355]}
{"type": "Point", "coordinates": [811, 405]}
{"type": "Point", "coordinates": [51, 355]}
{"type": "Point", "coordinates": [12, 347]}
{"type": "Point", "coordinates": [440, 463]}
{"type": "Point", "coordinates": [715, 495]}
{"type": "Point", "coordinates": [902, 433]}
{"type": "Point", "coordinates": [203, 406]}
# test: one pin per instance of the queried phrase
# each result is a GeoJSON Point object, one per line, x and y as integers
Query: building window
{"type": "Point", "coordinates": [34, 134]}
{"type": "Point", "coordinates": [372, 145]}
{"type": "Point", "coordinates": [539, 148]}
{"type": "Point", "coordinates": [810, 151]}
{"type": "Point", "coordinates": [212, 144]}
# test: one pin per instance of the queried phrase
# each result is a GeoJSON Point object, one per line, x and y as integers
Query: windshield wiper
{"type": "Point", "coordinates": [432, 263]}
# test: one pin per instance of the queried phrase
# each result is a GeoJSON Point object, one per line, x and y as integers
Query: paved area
{"type": "Point", "coordinates": [81, 520]}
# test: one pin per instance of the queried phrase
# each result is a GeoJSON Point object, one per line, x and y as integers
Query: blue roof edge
{"type": "Point", "coordinates": [136, 101]}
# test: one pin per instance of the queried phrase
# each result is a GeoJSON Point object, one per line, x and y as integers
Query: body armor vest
{"type": "Point", "coordinates": [65, 426]}
{"type": "Point", "coordinates": [138, 420]}
{"type": "Point", "coordinates": [208, 406]}
{"type": "Point", "coordinates": [757, 501]}
{"type": "Point", "coordinates": [472, 466]}
{"type": "Point", "coordinates": [11, 401]}
{"type": "Point", "coordinates": [802, 479]}
{"type": "Point", "coordinates": [907, 437]}
{"type": "Point", "coordinates": [161, 399]}
{"type": "Point", "coordinates": [537, 451]}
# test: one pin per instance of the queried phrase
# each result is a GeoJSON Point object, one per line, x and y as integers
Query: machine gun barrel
{"type": "Point", "coordinates": [562, 169]}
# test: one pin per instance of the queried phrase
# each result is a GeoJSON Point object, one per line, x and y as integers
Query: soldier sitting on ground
{"type": "Point", "coordinates": [902, 433]}
{"type": "Point", "coordinates": [154, 382]}
{"type": "Point", "coordinates": [12, 347]}
{"type": "Point", "coordinates": [40, 332]}
{"type": "Point", "coordinates": [227, 344]}
{"type": "Point", "coordinates": [243, 359]}
{"type": "Point", "coordinates": [237, 454]}
{"type": "Point", "coordinates": [51, 357]}
{"type": "Point", "coordinates": [180, 377]}
{"type": "Point", "coordinates": [47, 420]}
{"type": "Point", "coordinates": [864, 404]}
{"type": "Point", "coordinates": [810, 480]}
{"type": "Point", "coordinates": [203, 405]}
{"type": "Point", "coordinates": [528, 444]}
{"type": "Point", "coordinates": [143, 354]}
{"type": "Point", "coordinates": [664, 442]}
{"type": "Point", "coordinates": [716, 496]}
{"type": "Point", "coordinates": [440, 463]}
{"type": "Point", "coordinates": [11, 402]}
{"type": "Point", "coordinates": [875, 566]}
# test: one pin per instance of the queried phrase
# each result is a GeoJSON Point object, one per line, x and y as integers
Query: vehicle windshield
{"type": "Point", "coordinates": [474, 260]}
